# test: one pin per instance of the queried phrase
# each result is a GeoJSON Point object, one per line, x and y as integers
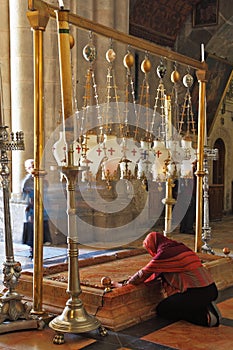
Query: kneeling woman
{"type": "Point", "coordinates": [188, 286]}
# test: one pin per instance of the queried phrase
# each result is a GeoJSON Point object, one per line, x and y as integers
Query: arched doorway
{"type": "Point", "coordinates": [216, 190]}
{"type": "Point", "coordinates": [219, 165]}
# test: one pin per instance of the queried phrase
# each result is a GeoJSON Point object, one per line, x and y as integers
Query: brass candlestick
{"type": "Point", "coordinates": [74, 318]}
{"type": "Point", "coordinates": [169, 201]}
{"type": "Point", "coordinates": [11, 306]}
{"type": "Point", "coordinates": [209, 154]}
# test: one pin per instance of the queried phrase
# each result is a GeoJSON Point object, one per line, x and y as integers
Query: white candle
{"type": "Point", "coordinates": [202, 53]}
{"type": "Point", "coordinates": [1, 100]}
{"type": "Point", "coordinates": [61, 4]}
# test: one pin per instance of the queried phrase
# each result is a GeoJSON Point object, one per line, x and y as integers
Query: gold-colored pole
{"type": "Point", "coordinates": [133, 41]}
{"type": "Point", "coordinates": [65, 72]}
{"type": "Point", "coordinates": [38, 21]}
{"type": "Point", "coordinates": [74, 318]}
{"type": "Point", "coordinates": [200, 173]}
{"type": "Point", "coordinates": [169, 201]}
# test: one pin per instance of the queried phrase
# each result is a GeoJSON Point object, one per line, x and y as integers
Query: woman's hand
{"type": "Point", "coordinates": [119, 284]}
{"type": "Point", "coordinates": [115, 284]}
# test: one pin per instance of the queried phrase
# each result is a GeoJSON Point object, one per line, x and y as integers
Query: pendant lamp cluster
{"type": "Point", "coordinates": [149, 139]}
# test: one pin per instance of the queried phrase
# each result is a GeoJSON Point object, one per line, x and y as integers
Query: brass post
{"type": "Point", "coordinates": [74, 318]}
{"type": "Point", "coordinates": [38, 21]}
{"type": "Point", "coordinates": [200, 173]}
{"type": "Point", "coordinates": [169, 201]}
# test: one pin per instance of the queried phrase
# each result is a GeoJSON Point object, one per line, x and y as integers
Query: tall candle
{"type": "Point", "coordinates": [202, 53]}
{"type": "Point", "coordinates": [1, 100]}
{"type": "Point", "coordinates": [61, 4]}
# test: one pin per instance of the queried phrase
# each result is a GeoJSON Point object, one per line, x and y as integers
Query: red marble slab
{"type": "Point", "coordinates": [185, 336]}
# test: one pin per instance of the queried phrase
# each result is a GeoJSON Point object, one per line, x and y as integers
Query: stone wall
{"type": "Point", "coordinates": [223, 129]}
{"type": "Point", "coordinates": [17, 208]}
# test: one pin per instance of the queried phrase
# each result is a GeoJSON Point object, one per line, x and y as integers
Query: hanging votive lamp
{"type": "Point", "coordinates": [111, 94]}
{"type": "Point", "coordinates": [110, 55]}
{"type": "Point", "coordinates": [160, 155]}
{"type": "Point", "coordinates": [175, 76]}
{"type": "Point", "coordinates": [144, 110]}
{"type": "Point", "coordinates": [146, 159]}
{"type": "Point", "coordinates": [91, 138]}
{"type": "Point", "coordinates": [59, 150]}
{"type": "Point", "coordinates": [175, 108]}
{"type": "Point", "coordinates": [159, 108]}
{"type": "Point", "coordinates": [161, 70]}
{"type": "Point", "coordinates": [72, 41]}
{"type": "Point", "coordinates": [187, 139]}
{"type": "Point", "coordinates": [128, 60]}
{"type": "Point", "coordinates": [146, 65]}
{"type": "Point", "coordinates": [188, 80]}
{"type": "Point", "coordinates": [147, 156]}
{"type": "Point", "coordinates": [186, 168]}
{"type": "Point", "coordinates": [89, 52]}
{"type": "Point", "coordinates": [173, 143]}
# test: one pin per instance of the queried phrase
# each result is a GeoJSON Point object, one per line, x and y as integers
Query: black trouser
{"type": "Point", "coordinates": [28, 233]}
{"type": "Point", "coordinates": [190, 306]}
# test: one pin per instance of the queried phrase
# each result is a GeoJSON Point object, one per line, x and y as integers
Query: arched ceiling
{"type": "Point", "coordinates": [159, 21]}
{"type": "Point", "coordinates": [170, 23]}
{"type": "Point", "coordinates": [163, 21]}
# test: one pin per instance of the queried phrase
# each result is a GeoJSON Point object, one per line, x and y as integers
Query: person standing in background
{"type": "Point", "coordinates": [28, 196]}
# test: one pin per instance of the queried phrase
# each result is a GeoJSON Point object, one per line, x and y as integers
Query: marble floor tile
{"type": "Point", "coordinates": [185, 336]}
{"type": "Point", "coordinates": [41, 340]}
{"type": "Point", "coordinates": [149, 335]}
{"type": "Point", "coordinates": [226, 308]}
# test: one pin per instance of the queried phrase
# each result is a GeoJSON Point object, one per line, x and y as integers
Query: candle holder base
{"type": "Point", "coordinates": [207, 249]}
{"type": "Point", "coordinates": [21, 325]}
{"type": "Point", "coordinates": [15, 314]}
{"type": "Point", "coordinates": [206, 237]}
{"type": "Point", "coordinates": [12, 308]}
{"type": "Point", "coordinates": [74, 319]}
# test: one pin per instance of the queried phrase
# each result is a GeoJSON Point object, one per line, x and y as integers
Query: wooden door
{"type": "Point", "coordinates": [216, 193]}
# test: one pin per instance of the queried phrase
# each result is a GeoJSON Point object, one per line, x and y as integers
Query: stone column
{"type": "Point", "coordinates": [121, 23]}
{"type": "Point", "coordinates": [5, 59]}
{"type": "Point", "coordinates": [21, 86]}
{"type": "Point", "coordinates": [113, 14]}
{"type": "Point", "coordinates": [5, 72]}
{"type": "Point", "coordinates": [84, 9]}
{"type": "Point", "coordinates": [103, 14]}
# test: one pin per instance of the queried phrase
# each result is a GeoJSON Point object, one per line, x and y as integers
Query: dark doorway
{"type": "Point", "coordinates": [219, 165]}
{"type": "Point", "coordinates": [216, 190]}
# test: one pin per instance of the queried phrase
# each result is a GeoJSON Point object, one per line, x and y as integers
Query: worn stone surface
{"type": "Point", "coordinates": [122, 307]}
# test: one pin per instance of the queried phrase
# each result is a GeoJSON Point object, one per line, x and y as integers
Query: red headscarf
{"type": "Point", "coordinates": [168, 255]}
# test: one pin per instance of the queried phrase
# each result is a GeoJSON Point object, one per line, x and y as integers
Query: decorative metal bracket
{"type": "Point", "coordinates": [209, 154]}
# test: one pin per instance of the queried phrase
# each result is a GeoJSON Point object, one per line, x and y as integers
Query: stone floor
{"type": "Point", "coordinates": [152, 334]}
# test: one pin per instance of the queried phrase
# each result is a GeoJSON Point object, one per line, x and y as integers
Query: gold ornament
{"type": "Point", "coordinates": [71, 41]}
{"type": "Point", "coordinates": [188, 80]}
{"type": "Point", "coordinates": [175, 76]}
{"type": "Point", "coordinates": [128, 60]}
{"type": "Point", "coordinates": [107, 283]}
{"type": "Point", "coordinates": [226, 251]}
{"type": "Point", "coordinates": [146, 65]}
{"type": "Point", "coordinates": [110, 55]}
